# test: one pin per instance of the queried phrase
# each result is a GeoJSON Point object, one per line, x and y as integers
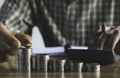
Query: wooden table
{"type": "Point", "coordinates": [108, 71]}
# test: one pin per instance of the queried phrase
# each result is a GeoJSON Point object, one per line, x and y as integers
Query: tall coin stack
{"type": "Point", "coordinates": [24, 59]}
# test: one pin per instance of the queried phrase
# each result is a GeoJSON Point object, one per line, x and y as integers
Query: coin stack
{"type": "Point", "coordinates": [56, 65]}
{"type": "Point", "coordinates": [91, 67]}
{"type": "Point", "coordinates": [73, 66]}
{"type": "Point", "coordinates": [42, 62]}
{"type": "Point", "coordinates": [24, 59]}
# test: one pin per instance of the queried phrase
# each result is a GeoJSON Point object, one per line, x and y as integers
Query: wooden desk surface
{"type": "Point", "coordinates": [109, 71]}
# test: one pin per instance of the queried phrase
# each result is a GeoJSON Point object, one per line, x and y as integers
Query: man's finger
{"type": "Point", "coordinates": [8, 37]}
{"type": "Point", "coordinates": [6, 50]}
{"type": "Point", "coordinates": [24, 39]}
{"type": "Point", "coordinates": [104, 38]}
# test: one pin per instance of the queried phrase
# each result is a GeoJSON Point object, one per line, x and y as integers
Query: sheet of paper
{"type": "Point", "coordinates": [37, 39]}
{"type": "Point", "coordinates": [54, 50]}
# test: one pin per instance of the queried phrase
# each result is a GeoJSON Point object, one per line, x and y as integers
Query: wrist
{"type": "Point", "coordinates": [4, 66]}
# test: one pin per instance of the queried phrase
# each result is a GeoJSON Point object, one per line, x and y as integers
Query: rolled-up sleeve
{"type": "Point", "coordinates": [18, 17]}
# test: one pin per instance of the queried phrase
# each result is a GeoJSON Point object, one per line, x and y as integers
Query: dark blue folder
{"type": "Point", "coordinates": [92, 56]}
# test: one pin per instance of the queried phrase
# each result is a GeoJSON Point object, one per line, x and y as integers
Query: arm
{"type": "Point", "coordinates": [16, 13]}
{"type": "Point", "coordinates": [9, 44]}
{"type": "Point", "coordinates": [110, 40]}
{"type": "Point", "coordinates": [19, 16]}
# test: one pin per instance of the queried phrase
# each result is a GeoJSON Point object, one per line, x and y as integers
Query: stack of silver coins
{"type": "Point", "coordinates": [56, 65]}
{"type": "Point", "coordinates": [60, 65]}
{"type": "Point", "coordinates": [42, 62]}
{"type": "Point", "coordinates": [73, 66]}
{"type": "Point", "coordinates": [91, 67]}
{"type": "Point", "coordinates": [33, 63]}
{"type": "Point", "coordinates": [77, 66]}
{"type": "Point", "coordinates": [51, 65]}
{"type": "Point", "coordinates": [24, 59]}
{"type": "Point", "coordinates": [69, 66]}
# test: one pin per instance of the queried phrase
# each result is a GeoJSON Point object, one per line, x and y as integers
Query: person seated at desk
{"type": "Point", "coordinates": [61, 22]}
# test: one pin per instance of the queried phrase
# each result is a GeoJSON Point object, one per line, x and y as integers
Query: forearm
{"type": "Point", "coordinates": [18, 16]}
{"type": "Point", "coordinates": [9, 65]}
{"type": "Point", "coordinates": [4, 66]}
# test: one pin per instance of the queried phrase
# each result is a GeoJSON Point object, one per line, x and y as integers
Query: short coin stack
{"type": "Point", "coordinates": [91, 67]}
{"type": "Point", "coordinates": [42, 62]}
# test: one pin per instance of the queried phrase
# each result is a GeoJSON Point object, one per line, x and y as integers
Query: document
{"type": "Point", "coordinates": [58, 50]}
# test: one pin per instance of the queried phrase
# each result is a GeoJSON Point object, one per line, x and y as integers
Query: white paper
{"type": "Point", "coordinates": [37, 39]}
{"type": "Point", "coordinates": [54, 50]}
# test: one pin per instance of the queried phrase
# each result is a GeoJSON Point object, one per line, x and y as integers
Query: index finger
{"type": "Point", "coordinates": [25, 39]}
{"type": "Point", "coordinates": [8, 37]}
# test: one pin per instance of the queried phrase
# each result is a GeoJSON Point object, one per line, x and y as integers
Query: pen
{"type": "Point", "coordinates": [103, 30]}
{"type": "Point", "coordinates": [103, 27]}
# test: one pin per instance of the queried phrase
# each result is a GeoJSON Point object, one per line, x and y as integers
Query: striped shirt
{"type": "Point", "coordinates": [61, 21]}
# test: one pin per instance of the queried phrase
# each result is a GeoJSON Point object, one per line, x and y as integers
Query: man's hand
{"type": "Point", "coordinates": [110, 40]}
{"type": "Point", "coordinates": [10, 42]}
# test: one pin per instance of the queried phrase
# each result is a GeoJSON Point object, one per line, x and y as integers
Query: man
{"type": "Point", "coordinates": [10, 41]}
{"type": "Point", "coordinates": [66, 21]}
{"type": "Point", "coordinates": [63, 21]}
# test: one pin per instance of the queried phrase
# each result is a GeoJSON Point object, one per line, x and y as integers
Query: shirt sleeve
{"type": "Point", "coordinates": [18, 17]}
